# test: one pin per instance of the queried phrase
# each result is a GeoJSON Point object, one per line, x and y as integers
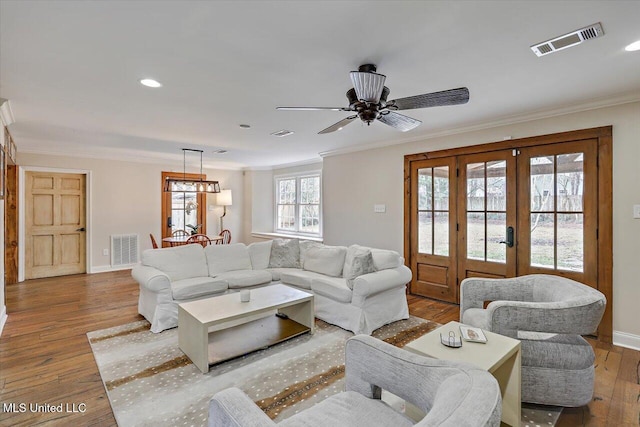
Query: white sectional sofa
{"type": "Point", "coordinates": [357, 288]}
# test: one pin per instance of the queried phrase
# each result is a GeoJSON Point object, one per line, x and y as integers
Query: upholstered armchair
{"type": "Point", "coordinates": [451, 393]}
{"type": "Point", "coordinates": [548, 314]}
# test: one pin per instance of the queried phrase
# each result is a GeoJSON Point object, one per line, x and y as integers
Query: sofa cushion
{"type": "Point", "coordinates": [299, 278]}
{"type": "Point", "coordinates": [285, 253]}
{"type": "Point", "coordinates": [243, 278]}
{"type": "Point", "coordinates": [260, 252]}
{"type": "Point", "coordinates": [384, 259]}
{"type": "Point", "coordinates": [327, 260]}
{"type": "Point", "coordinates": [222, 258]}
{"type": "Point", "coordinates": [277, 272]}
{"type": "Point", "coordinates": [358, 261]}
{"type": "Point", "coordinates": [332, 287]}
{"type": "Point", "coordinates": [196, 287]}
{"type": "Point", "coordinates": [179, 262]}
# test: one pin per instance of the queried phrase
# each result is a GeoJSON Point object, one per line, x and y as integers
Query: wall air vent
{"type": "Point", "coordinates": [124, 249]}
{"type": "Point", "coordinates": [568, 40]}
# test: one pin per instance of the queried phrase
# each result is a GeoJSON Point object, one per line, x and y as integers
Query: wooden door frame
{"type": "Point", "coordinates": [11, 225]}
{"type": "Point", "coordinates": [165, 207]}
{"type": "Point", "coordinates": [604, 136]}
{"type": "Point", "coordinates": [22, 171]}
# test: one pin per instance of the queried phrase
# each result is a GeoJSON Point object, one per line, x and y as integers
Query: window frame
{"type": "Point", "coordinates": [297, 206]}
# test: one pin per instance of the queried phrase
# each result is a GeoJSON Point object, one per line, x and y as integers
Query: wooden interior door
{"type": "Point", "coordinates": [487, 234]}
{"type": "Point", "coordinates": [55, 221]}
{"type": "Point", "coordinates": [432, 223]}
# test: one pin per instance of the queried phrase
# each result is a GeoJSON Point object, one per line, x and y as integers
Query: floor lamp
{"type": "Point", "coordinates": [223, 198]}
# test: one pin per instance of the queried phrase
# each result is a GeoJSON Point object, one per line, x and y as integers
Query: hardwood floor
{"type": "Point", "coordinates": [45, 357]}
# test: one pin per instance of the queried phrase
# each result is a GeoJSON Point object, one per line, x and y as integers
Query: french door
{"type": "Point", "coordinates": [504, 210]}
{"type": "Point", "coordinates": [183, 208]}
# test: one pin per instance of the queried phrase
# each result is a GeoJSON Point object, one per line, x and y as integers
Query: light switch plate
{"type": "Point", "coordinates": [636, 211]}
{"type": "Point", "coordinates": [379, 208]}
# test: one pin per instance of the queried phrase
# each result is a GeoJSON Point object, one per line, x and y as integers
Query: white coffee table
{"type": "Point", "coordinates": [500, 356]}
{"type": "Point", "coordinates": [220, 328]}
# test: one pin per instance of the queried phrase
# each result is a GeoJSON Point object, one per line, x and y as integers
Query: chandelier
{"type": "Point", "coordinates": [190, 185]}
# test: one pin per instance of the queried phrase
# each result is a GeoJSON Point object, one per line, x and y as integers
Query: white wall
{"type": "Point", "coordinates": [354, 182]}
{"type": "Point", "coordinates": [126, 199]}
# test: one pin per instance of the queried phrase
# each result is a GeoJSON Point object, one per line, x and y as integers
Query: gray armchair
{"type": "Point", "coordinates": [451, 393]}
{"type": "Point", "coordinates": [547, 314]}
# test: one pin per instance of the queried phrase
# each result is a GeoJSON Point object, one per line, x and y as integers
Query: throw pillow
{"type": "Point", "coordinates": [358, 261]}
{"type": "Point", "coordinates": [285, 254]}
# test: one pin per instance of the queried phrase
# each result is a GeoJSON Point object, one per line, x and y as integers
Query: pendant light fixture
{"type": "Point", "coordinates": [190, 185]}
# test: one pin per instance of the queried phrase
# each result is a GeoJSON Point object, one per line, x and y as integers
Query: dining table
{"type": "Point", "coordinates": [182, 240]}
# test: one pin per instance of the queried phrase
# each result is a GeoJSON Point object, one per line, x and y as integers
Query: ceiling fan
{"type": "Point", "coordinates": [368, 99]}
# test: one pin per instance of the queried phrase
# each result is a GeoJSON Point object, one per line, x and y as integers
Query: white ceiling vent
{"type": "Point", "coordinates": [282, 133]}
{"type": "Point", "coordinates": [568, 40]}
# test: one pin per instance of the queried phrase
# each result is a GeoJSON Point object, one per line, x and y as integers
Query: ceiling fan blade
{"type": "Point", "coordinates": [399, 121]}
{"type": "Point", "coordinates": [337, 126]}
{"type": "Point", "coordinates": [435, 99]}
{"type": "Point", "coordinates": [313, 108]}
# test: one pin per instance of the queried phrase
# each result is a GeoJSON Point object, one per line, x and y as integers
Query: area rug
{"type": "Point", "coordinates": [150, 382]}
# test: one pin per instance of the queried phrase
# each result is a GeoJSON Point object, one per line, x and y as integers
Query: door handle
{"type": "Point", "coordinates": [509, 241]}
{"type": "Point", "coordinates": [80, 229]}
{"type": "Point", "coordinates": [169, 225]}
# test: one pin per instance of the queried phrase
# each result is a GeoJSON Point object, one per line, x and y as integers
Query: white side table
{"type": "Point", "coordinates": [500, 356]}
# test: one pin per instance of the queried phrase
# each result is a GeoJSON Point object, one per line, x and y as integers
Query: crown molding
{"type": "Point", "coordinates": [621, 99]}
{"type": "Point", "coordinates": [6, 114]}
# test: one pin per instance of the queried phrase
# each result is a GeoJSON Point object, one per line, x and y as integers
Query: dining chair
{"type": "Point", "coordinates": [154, 245]}
{"type": "Point", "coordinates": [226, 237]}
{"type": "Point", "coordinates": [180, 233]}
{"type": "Point", "coordinates": [202, 239]}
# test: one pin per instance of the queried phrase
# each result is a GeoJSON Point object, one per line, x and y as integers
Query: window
{"type": "Point", "coordinates": [298, 204]}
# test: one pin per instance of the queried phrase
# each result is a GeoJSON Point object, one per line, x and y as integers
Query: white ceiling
{"type": "Point", "coordinates": [70, 70]}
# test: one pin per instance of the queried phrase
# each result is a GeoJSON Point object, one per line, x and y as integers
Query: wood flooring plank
{"type": "Point", "coordinates": [45, 356]}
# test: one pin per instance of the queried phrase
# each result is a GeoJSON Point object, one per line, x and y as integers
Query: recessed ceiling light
{"type": "Point", "coordinates": [220, 151]}
{"type": "Point", "coordinates": [243, 126]}
{"type": "Point", "coordinates": [150, 83]}
{"type": "Point", "coordinates": [633, 46]}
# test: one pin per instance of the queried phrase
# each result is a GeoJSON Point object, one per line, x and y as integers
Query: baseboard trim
{"type": "Point", "coordinates": [107, 268]}
{"type": "Point", "coordinates": [627, 340]}
{"type": "Point", "coordinates": [3, 318]}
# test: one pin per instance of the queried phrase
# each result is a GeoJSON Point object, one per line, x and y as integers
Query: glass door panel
{"type": "Point", "coordinates": [183, 208]}
{"type": "Point", "coordinates": [556, 196]}
{"type": "Point", "coordinates": [561, 222]}
{"type": "Point", "coordinates": [433, 210]}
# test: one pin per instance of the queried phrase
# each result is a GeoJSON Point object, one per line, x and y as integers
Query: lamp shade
{"type": "Point", "coordinates": [223, 198]}
{"type": "Point", "coordinates": [368, 86]}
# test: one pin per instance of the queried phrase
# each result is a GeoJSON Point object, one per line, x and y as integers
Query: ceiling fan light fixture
{"type": "Point", "coordinates": [368, 85]}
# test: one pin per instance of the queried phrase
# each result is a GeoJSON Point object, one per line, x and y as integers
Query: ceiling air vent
{"type": "Point", "coordinates": [568, 40]}
{"type": "Point", "coordinates": [282, 133]}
